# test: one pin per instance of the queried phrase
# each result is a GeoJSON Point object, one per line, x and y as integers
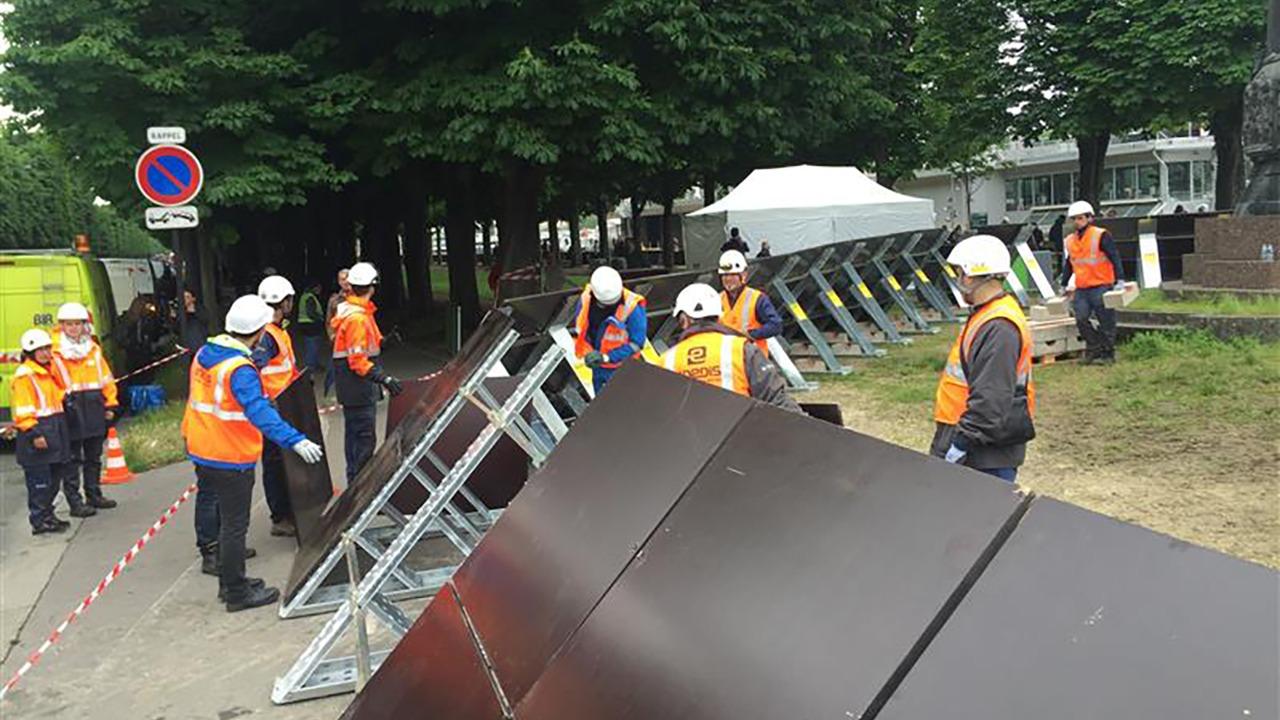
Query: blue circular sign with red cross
{"type": "Point", "coordinates": [169, 175]}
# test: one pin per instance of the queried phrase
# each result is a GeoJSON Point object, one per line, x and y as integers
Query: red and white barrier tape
{"type": "Point", "coordinates": [181, 351]}
{"type": "Point", "coordinates": [336, 406]}
{"type": "Point", "coordinates": [97, 591]}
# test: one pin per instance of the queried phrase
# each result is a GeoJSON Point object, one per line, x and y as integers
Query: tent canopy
{"type": "Point", "coordinates": [805, 206]}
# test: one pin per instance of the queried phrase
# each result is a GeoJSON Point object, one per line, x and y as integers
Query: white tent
{"type": "Point", "coordinates": [803, 206]}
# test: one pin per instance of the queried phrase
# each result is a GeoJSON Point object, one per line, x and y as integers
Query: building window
{"type": "Point", "coordinates": [1202, 178]}
{"type": "Point", "coordinates": [1149, 181]}
{"type": "Point", "coordinates": [1027, 193]}
{"type": "Point", "coordinates": [1180, 180]}
{"type": "Point", "coordinates": [1126, 182]}
{"type": "Point", "coordinates": [1042, 192]}
{"type": "Point", "coordinates": [1063, 190]}
{"type": "Point", "coordinates": [1011, 194]}
{"type": "Point", "coordinates": [1108, 184]}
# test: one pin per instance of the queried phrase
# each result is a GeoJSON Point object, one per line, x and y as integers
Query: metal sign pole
{"type": "Point", "coordinates": [180, 285]}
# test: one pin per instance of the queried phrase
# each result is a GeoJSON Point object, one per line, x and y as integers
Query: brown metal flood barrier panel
{"type": "Point", "coordinates": [389, 455]}
{"type": "Point", "coordinates": [502, 472]}
{"type": "Point", "coordinates": [1084, 616]}
{"type": "Point", "coordinates": [688, 554]}
{"type": "Point", "coordinates": [310, 486]}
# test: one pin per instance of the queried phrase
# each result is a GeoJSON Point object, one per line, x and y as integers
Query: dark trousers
{"type": "Point", "coordinates": [208, 519]}
{"type": "Point", "coordinates": [86, 462]}
{"type": "Point", "coordinates": [273, 482]}
{"type": "Point", "coordinates": [234, 490]}
{"type": "Point", "coordinates": [41, 489]}
{"type": "Point", "coordinates": [360, 437]}
{"type": "Point", "coordinates": [1008, 474]}
{"type": "Point", "coordinates": [1100, 342]}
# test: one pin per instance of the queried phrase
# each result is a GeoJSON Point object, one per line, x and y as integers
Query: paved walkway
{"type": "Point", "coordinates": [157, 644]}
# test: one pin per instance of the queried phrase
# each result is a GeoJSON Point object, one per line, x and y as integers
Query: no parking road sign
{"type": "Point", "coordinates": [169, 175]}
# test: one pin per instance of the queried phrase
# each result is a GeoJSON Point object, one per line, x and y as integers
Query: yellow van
{"type": "Point", "coordinates": [33, 283]}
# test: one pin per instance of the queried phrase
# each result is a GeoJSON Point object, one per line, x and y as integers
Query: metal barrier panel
{"type": "Point", "coordinates": [1084, 616]}
{"type": "Point", "coordinates": [310, 486]}
{"type": "Point", "coordinates": [803, 567]}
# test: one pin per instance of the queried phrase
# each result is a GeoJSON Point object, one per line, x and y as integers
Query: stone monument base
{"type": "Point", "coordinates": [1229, 253]}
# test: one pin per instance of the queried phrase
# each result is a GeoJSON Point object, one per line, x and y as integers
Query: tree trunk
{"type": "Point", "coordinates": [668, 237]}
{"type": "Point", "coordinates": [708, 191]}
{"type": "Point", "coordinates": [380, 244]}
{"type": "Point", "coordinates": [967, 179]}
{"type": "Point", "coordinates": [417, 253]}
{"type": "Point", "coordinates": [1227, 126]}
{"type": "Point", "coordinates": [208, 279]}
{"type": "Point", "coordinates": [553, 242]}
{"type": "Point", "coordinates": [1093, 157]}
{"type": "Point", "coordinates": [518, 237]}
{"type": "Point", "coordinates": [637, 223]}
{"type": "Point", "coordinates": [487, 240]}
{"type": "Point", "coordinates": [575, 239]}
{"type": "Point", "coordinates": [605, 249]}
{"type": "Point", "coordinates": [460, 244]}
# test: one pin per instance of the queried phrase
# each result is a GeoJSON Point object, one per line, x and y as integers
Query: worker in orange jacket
{"type": "Point", "coordinates": [91, 405]}
{"type": "Point", "coordinates": [278, 366]}
{"type": "Point", "coordinates": [746, 309]}
{"type": "Point", "coordinates": [1090, 268]}
{"type": "Point", "coordinates": [357, 367]}
{"type": "Point", "coordinates": [42, 447]}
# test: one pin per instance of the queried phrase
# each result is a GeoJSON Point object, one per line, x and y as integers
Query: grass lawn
{"type": "Point", "coordinates": [1223, 304]}
{"type": "Point", "coordinates": [154, 438]}
{"type": "Point", "coordinates": [1178, 436]}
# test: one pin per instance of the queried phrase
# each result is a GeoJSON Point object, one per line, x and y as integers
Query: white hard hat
{"type": "Point", "coordinates": [275, 288]}
{"type": "Point", "coordinates": [606, 285]}
{"type": "Point", "coordinates": [698, 300]}
{"type": "Point", "coordinates": [732, 262]}
{"type": "Point", "coordinates": [1079, 207]}
{"type": "Point", "coordinates": [248, 315]}
{"type": "Point", "coordinates": [34, 339]}
{"type": "Point", "coordinates": [980, 255]}
{"type": "Point", "coordinates": [362, 273]}
{"type": "Point", "coordinates": [73, 311]}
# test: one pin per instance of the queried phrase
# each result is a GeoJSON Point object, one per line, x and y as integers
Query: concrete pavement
{"type": "Point", "coordinates": [156, 644]}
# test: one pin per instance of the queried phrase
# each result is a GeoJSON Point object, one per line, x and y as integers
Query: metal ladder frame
{"type": "Point", "coordinates": [894, 288]}
{"type": "Point", "coordinates": [859, 291]}
{"type": "Point", "coordinates": [836, 307]}
{"type": "Point", "coordinates": [314, 674]}
{"type": "Point", "coordinates": [811, 331]}
{"type": "Point", "coordinates": [923, 284]}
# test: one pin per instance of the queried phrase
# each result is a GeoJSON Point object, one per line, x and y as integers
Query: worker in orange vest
{"type": "Point", "coordinates": [278, 366]}
{"type": "Point", "coordinates": [42, 447]}
{"type": "Point", "coordinates": [226, 418]}
{"type": "Point", "coordinates": [717, 355]}
{"type": "Point", "coordinates": [611, 325]}
{"type": "Point", "coordinates": [746, 309]}
{"type": "Point", "coordinates": [91, 404]}
{"type": "Point", "coordinates": [986, 400]}
{"type": "Point", "coordinates": [357, 367]}
{"type": "Point", "coordinates": [1091, 267]}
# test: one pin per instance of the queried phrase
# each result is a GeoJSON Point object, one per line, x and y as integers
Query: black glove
{"type": "Point", "coordinates": [392, 385]}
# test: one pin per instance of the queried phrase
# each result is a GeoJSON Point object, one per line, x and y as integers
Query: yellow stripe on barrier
{"type": "Point", "coordinates": [798, 312]}
{"type": "Point", "coordinates": [950, 273]}
{"type": "Point", "coordinates": [893, 282]}
{"type": "Point", "coordinates": [650, 354]}
{"type": "Point", "coordinates": [834, 298]}
{"type": "Point", "coordinates": [862, 288]}
{"type": "Point", "coordinates": [920, 274]}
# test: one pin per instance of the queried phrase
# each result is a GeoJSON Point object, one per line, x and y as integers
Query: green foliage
{"type": "Point", "coordinates": [154, 438]}
{"type": "Point", "coordinates": [1218, 304]}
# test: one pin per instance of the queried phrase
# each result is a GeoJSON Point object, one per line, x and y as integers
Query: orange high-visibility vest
{"type": "Point", "coordinates": [713, 358]}
{"type": "Point", "coordinates": [953, 389]}
{"type": "Point", "coordinates": [214, 425]}
{"type": "Point", "coordinates": [34, 394]}
{"type": "Point", "coordinates": [89, 373]}
{"type": "Point", "coordinates": [741, 316]}
{"type": "Point", "coordinates": [356, 336]}
{"type": "Point", "coordinates": [282, 369]}
{"type": "Point", "coordinates": [615, 333]}
{"type": "Point", "coordinates": [1091, 266]}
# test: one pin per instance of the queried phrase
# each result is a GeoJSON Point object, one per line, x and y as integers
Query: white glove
{"type": "Point", "coordinates": [1120, 284]}
{"type": "Point", "coordinates": [955, 454]}
{"type": "Point", "coordinates": [310, 452]}
{"type": "Point", "coordinates": [1071, 284]}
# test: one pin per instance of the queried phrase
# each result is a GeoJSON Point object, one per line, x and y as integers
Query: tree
{"type": "Point", "coordinates": [1084, 72]}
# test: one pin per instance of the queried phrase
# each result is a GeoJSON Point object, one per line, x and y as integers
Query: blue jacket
{"type": "Point", "coordinates": [637, 331]}
{"type": "Point", "coordinates": [246, 385]}
{"type": "Point", "coordinates": [770, 320]}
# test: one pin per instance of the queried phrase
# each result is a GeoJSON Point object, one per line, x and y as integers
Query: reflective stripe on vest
{"type": "Point", "coordinates": [94, 358]}
{"type": "Point", "coordinates": [741, 316]}
{"type": "Point", "coordinates": [615, 333]}
{"type": "Point", "coordinates": [712, 358]}
{"type": "Point", "coordinates": [346, 311]}
{"type": "Point", "coordinates": [952, 397]}
{"type": "Point", "coordinates": [43, 408]}
{"type": "Point", "coordinates": [1089, 264]}
{"type": "Point", "coordinates": [215, 426]}
{"type": "Point", "coordinates": [280, 370]}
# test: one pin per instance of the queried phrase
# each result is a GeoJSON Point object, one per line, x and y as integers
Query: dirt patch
{"type": "Point", "coordinates": [1180, 437]}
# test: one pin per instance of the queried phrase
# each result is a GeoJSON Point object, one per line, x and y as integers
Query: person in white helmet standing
{"type": "Point", "coordinates": [277, 364]}
{"type": "Point", "coordinates": [611, 325]}
{"type": "Point", "coordinates": [357, 367]}
{"type": "Point", "coordinates": [717, 355]}
{"type": "Point", "coordinates": [226, 418]}
{"type": "Point", "coordinates": [91, 403]}
{"type": "Point", "coordinates": [985, 402]}
{"type": "Point", "coordinates": [1090, 267]}
{"type": "Point", "coordinates": [746, 309]}
{"type": "Point", "coordinates": [41, 446]}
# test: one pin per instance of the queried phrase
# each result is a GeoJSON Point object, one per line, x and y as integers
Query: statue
{"type": "Point", "coordinates": [1262, 128]}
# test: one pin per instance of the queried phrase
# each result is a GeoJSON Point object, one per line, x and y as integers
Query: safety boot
{"type": "Point", "coordinates": [209, 559]}
{"type": "Point", "coordinates": [101, 502]}
{"type": "Point", "coordinates": [80, 509]}
{"type": "Point", "coordinates": [252, 597]}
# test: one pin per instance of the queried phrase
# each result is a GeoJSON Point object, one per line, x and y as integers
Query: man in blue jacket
{"type": "Point", "coordinates": [227, 415]}
{"type": "Point", "coordinates": [611, 325]}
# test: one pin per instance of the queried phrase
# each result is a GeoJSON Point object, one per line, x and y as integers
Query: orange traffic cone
{"type": "Point", "coordinates": [117, 472]}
